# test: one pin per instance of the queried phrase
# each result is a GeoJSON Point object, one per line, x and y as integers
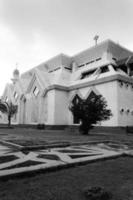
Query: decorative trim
{"type": "Point", "coordinates": [31, 83]}
{"type": "Point", "coordinates": [102, 80]}
{"type": "Point", "coordinates": [33, 79]}
{"type": "Point", "coordinates": [91, 83]}
{"type": "Point", "coordinates": [92, 89]}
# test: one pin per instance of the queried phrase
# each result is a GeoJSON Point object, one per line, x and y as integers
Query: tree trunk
{"type": "Point", "coordinates": [9, 120]}
{"type": "Point", "coordinates": [84, 129]}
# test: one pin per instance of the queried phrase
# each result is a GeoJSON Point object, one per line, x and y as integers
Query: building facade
{"type": "Point", "coordinates": [44, 93]}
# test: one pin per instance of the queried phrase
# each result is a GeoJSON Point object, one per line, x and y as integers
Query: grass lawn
{"type": "Point", "coordinates": [26, 137]}
{"type": "Point", "coordinates": [68, 184]}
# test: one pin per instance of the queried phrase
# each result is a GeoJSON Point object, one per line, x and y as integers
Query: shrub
{"type": "Point", "coordinates": [90, 111]}
{"type": "Point", "coordinates": [41, 126]}
{"type": "Point", "coordinates": [98, 193]}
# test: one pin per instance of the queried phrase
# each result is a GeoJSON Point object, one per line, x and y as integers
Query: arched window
{"type": "Point", "coordinates": [75, 101]}
{"type": "Point", "coordinates": [91, 96]}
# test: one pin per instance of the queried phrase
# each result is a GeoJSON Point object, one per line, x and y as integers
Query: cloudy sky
{"type": "Point", "coordinates": [32, 31]}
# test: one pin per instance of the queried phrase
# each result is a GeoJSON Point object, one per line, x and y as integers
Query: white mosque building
{"type": "Point", "coordinates": [44, 93]}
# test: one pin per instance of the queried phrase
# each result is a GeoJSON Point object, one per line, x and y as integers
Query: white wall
{"type": "Point", "coordinates": [109, 92]}
{"type": "Point", "coordinates": [57, 107]}
{"type": "Point", "coordinates": [61, 107]}
{"type": "Point", "coordinates": [21, 112]}
{"type": "Point", "coordinates": [43, 109]}
{"type": "Point", "coordinates": [51, 106]}
{"type": "Point", "coordinates": [125, 101]}
{"type": "Point", "coordinates": [3, 118]}
{"type": "Point", "coordinates": [54, 107]}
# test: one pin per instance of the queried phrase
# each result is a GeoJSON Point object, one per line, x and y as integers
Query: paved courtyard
{"type": "Point", "coordinates": [28, 150]}
{"type": "Point", "coordinates": [90, 161]}
{"type": "Point", "coordinates": [13, 161]}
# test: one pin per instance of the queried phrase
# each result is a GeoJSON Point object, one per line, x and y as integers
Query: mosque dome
{"type": "Point", "coordinates": [16, 72]}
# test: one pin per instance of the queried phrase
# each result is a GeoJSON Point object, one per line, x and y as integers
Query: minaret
{"type": "Point", "coordinates": [15, 76]}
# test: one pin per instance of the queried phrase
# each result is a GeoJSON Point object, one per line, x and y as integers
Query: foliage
{"type": "Point", "coordinates": [8, 108]}
{"type": "Point", "coordinates": [90, 111]}
{"type": "Point", "coordinates": [41, 126]}
{"type": "Point", "coordinates": [3, 107]}
{"type": "Point", "coordinates": [98, 193]}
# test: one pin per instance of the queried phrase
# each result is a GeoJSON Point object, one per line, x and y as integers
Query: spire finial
{"type": "Point", "coordinates": [16, 65]}
{"type": "Point", "coordinates": [96, 39]}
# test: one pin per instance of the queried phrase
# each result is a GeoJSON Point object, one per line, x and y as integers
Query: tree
{"type": "Point", "coordinates": [90, 111]}
{"type": "Point", "coordinates": [8, 108]}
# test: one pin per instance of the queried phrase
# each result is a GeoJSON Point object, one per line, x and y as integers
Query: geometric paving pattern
{"type": "Point", "coordinates": [14, 161]}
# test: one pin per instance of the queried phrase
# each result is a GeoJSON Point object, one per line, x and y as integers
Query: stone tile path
{"type": "Point", "coordinates": [15, 161]}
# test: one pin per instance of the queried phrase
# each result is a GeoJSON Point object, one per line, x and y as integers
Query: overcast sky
{"type": "Point", "coordinates": [32, 31]}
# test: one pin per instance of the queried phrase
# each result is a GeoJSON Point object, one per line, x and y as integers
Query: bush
{"type": "Point", "coordinates": [98, 193]}
{"type": "Point", "coordinates": [89, 111]}
{"type": "Point", "coordinates": [41, 126]}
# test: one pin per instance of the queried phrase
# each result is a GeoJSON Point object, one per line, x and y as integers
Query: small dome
{"type": "Point", "coordinates": [16, 72]}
